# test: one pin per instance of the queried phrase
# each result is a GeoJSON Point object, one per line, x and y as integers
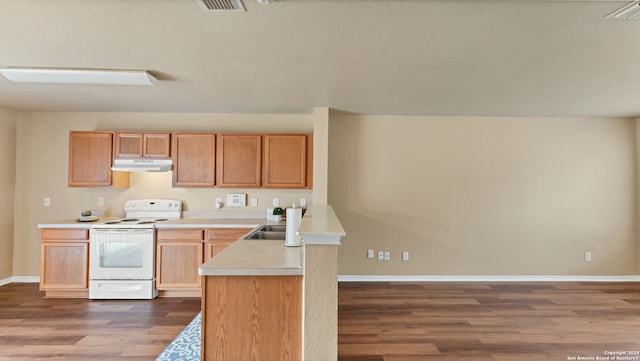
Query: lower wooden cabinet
{"type": "Point", "coordinates": [64, 259]}
{"type": "Point", "coordinates": [220, 238]}
{"type": "Point", "coordinates": [179, 253]}
{"type": "Point", "coordinates": [64, 262]}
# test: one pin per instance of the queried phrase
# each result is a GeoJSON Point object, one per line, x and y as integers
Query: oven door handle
{"type": "Point", "coordinates": [113, 287]}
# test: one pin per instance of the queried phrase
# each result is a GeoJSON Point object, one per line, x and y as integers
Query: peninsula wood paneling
{"type": "Point", "coordinates": [252, 318]}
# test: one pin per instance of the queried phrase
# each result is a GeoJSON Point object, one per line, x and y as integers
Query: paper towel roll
{"type": "Point", "coordinates": [294, 216]}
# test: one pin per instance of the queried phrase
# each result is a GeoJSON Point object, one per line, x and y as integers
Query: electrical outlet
{"type": "Point", "coordinates": [276, 202]}
{"type": "Point", "coordinates": [47, 201]}
{"type": "Point", "coordinates": [254, 202]}
{"type": "Point", "coordinates": [587, 256]}
{"type": "Point", "coordinates": [405, 255]}
{"type": "Point", "coordinates": [303, 202]}
{"type": "Point", "coordinates": [218, 203]}
{"type": "Point", "coordinates": [380, 255]}
{"type": "Point", "coordinates": [387, 255]}
{"type": "Point", "coordinates": [100, 201]}
{"type": "Point", "coordinates": [370, 253]}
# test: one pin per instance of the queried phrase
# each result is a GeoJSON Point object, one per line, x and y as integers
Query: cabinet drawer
{"type": "Point", "coordinates": [65, 234]}
{"type": "Point", "coordinates": [196, 234]}
{"type": "Point", "coordinates": [225, 234]}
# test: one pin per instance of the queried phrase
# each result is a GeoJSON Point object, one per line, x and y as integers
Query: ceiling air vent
{"type": "Point", "coordinates": [223, 5]}
{"type": "Point", "coordinates": [630, 11]}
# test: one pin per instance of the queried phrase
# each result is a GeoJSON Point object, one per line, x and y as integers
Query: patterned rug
{"type": "Point", "coordinates": [186, 346]}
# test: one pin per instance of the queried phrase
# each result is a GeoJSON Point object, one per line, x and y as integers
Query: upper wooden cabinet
{"type": "Point", "coordinates": [142, 145]}
{"type": "Point", "coordinates": [287, 161]}
{"type": "Point", "coordinates": [90, 157]}
{"type": "Point", "coordinates": [238, 160]}
{"type": "Point", "coordinates": [194, 159]}
{"type": "Point", "coordinates": [200, 159]}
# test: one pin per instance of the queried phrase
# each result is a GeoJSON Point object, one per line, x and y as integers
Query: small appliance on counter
{"type": "Point", "coordinates": [122, 252]}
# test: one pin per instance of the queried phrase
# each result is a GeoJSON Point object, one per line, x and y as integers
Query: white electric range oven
{"type": "Point", "coordinates": [122, 252]}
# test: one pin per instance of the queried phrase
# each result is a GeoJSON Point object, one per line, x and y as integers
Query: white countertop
{"type": "Point", "coordinates": [319, 226]}
{"type": "Point", "coordinates": [255, 258]}
{"type": "Point", "coordinates": [215, 223]}
{"type": "Point", "coordinates": [178, 223]}
{"type": "Point", "coordinates": [72, 223]}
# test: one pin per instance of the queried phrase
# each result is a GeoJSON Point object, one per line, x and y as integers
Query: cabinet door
{"type": "Point", "coordinates": [128, 145]}
{"type": "Point", "coordinates": [142, 145]}
{"type": "Point", "coordinates": [194, 159]}
{"type": "Point", "coordinates": [90, 156]}
{"type": "Point", "coordinates": [179, 253]}
{"type": "Point", "coordinates": [64, 259]}
{"type": "Point", "coordinates": [285, 161]}
{"type": "Point", "coordinates": [64, 266]}
{"type": "Point", "coordinates": [213, 248]}
{"type": "Point", "coordinates": [177, 264]}
{"type": "Point", "coordinates": [238, 159]}
{"type": "Point", "coordinates": [220, 238]}
{"type": "Point", "coordinates": [156, 145]}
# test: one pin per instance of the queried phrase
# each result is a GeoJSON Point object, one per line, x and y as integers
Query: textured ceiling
{"type": "Point", "coordinates": [391, 57]}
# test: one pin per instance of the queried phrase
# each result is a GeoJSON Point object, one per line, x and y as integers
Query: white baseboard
{"type": "Point", "coordinates": [20, 279]}
{"type": "Point", "coordinates": [349, 278]}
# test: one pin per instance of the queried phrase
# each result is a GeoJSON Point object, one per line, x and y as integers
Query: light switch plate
{"type": "Point", "coordinates": [236, 200]}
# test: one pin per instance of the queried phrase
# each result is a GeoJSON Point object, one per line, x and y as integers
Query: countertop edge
{"type": "Point", "coordinates": [321, 226]}
{"type": "Point", "coordinates": [79, 225]}
{"type": "Point", "coordinates": [255, 258]}
{"type": "Point", "coordinates": [251, 272]}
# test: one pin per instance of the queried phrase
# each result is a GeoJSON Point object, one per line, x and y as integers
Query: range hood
{"type": "Point", "coordinates": [141, 165]}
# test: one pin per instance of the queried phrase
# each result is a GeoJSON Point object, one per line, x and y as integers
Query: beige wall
{"type": "Point", "coordinates": [42, 157]}
{"type": "Point", "coordinates": [466, 196]}
{"type": "Point", "coordinates": [7, 184]}
{"type": "Point", "coordinates": [484, 196]}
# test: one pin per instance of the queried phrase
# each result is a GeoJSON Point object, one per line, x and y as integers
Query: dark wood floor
{"type": "Point", "coordinates": [35, 328]}
{"type": "Point", "coordinates": [377, 321]}
{"type": "Point", "coordinates": [494, 321]}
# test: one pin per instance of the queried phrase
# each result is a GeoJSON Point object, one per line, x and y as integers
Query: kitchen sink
{"type": "Point", "coordinates": [273, 228]}
{"type": "Point", "coordinates": [270, 232]}
{"type": "Point", "coordinates": [267, 235]}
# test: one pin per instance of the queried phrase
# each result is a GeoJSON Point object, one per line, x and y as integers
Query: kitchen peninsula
{"type": "Point", "coordinates": [255, 304]}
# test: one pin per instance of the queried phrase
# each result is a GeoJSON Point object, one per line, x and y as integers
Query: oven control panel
{"type": "Point", "coordinates": [153, 205]}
